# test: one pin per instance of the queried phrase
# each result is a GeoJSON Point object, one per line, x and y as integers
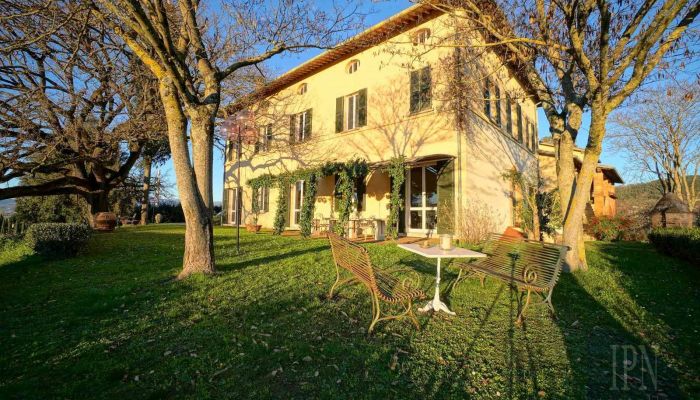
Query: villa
{"type": "Point", "coordinates": [459, 120]}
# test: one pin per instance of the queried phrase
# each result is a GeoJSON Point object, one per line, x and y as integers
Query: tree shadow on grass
{"type": "Point", "coordinates": [606, 358]}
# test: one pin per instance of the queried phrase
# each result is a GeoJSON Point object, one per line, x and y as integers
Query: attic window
{"type": "Point", "coordinates": [302, 88]}
{"type": "Point", "coordinates": [353, 66]}
{"type": "Point", "coordinates": [421, 36]}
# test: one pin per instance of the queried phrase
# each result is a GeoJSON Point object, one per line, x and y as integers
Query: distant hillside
{"type": "Point", "coordinates": [640, 196]}
{"type": "Point", "coordinates": [7, 206]}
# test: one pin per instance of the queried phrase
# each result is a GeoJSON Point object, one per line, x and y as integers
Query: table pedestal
{"type": "Point", "coordinates": [435, 304]}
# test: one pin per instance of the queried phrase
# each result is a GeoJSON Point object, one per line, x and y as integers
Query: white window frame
{"type": "Point", "coordinates": [353, 66]}
{"type": "Point", "coordinates": [296, 208]}
{"type": "Point", "coordinates": [234, 196]}
{"type": "Point", "coordinates": [266, 137]}
{"type": "Point", "coordinates": [301, 126]}
{"type": "Point", "coordinates": [421, 36]}
{"type": "Point", "coordinates": [351, 111]}
{"type": "Point", "coordinates": [264, 199]}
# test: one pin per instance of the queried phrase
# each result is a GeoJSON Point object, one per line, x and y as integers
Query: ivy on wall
{"type": "Point", "coordinates": [308, 205]}
{"type": "Point", "coordinates": [282, 207]}
{"type": "Point", "coordinates": [397, 172]}
{"type": "Point", "coordinates": [347, 173]}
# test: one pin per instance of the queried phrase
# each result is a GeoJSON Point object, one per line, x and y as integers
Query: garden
{"type": "Point", "coordinates": [113, 322]}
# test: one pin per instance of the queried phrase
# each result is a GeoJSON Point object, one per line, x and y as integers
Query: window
{"type": "Point", "coordinates": [351, 111]}
{"type": "Point", "coordinates": [421, 96]}
{"type": "Point", "coordinates": [526, 138]}
{"type": "Point", "coordinates": [509, 115]}
{"type": "Point", "coordinates": [353, 66]}
{"type": "Point", "coordinates": [487, 99]}
{"type": "Point", "coordinates": [498, 105]}
{"type": "Point", "coordinates": [300, 126]}
{"type": "Point", "coordinates": [298, 200]}
{"type": "Point", "coordinates": [265, 137]}
{"type": "Point", "coordinates": [519, 117]}
{"type": "Point", "coordinates": [533, 137]}
{"type": "Point", "coordinates": [302, 88]}
{"type": "Point", "coordinates": [263, 199]}
{"type": "Point", "coordinates": [359, 189]}
{"type": "Point", "coordinates": [421, 36]}
{"type": "Point", "coordinates": [235, 206]}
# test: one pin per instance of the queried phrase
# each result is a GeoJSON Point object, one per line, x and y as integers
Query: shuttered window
{"type": "Point", "coordinates": [509, 115]}
{"type": "Point", "coordinates": [497, 104]}
{"type": "Point", "coordinates": [519, 117]}
{"type": "Point", "coordinates": [300, 126]}
{"type": "Point", "coordinates": [487, 99]}
{"type": "Point", "coordinates": [421, 90]}
{"type": "Point", "coordinates": [351, 111]}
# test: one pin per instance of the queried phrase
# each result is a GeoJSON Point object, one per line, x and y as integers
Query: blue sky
{"type": "Point", "coordinates": [378, 12]}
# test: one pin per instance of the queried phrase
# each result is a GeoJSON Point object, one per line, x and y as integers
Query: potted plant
{"type": "Point", "coordinates": [251, 224]}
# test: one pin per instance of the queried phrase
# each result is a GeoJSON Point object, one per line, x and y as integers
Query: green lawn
{"type": "Point", "coordinates": [113, 323]}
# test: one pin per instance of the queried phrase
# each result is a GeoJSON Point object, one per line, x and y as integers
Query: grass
{"type": "Point", "coordinates": [113, 323]}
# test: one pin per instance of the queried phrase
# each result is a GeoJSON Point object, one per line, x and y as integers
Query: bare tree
{"type": "Point", "coordinates": [72, 112]}
{"type": "Point", "coordinates": [660, 136]}
{"type": "Point", "coordinates": [191, 51]}
{"type": "Point", "coordinates": [579, 56]}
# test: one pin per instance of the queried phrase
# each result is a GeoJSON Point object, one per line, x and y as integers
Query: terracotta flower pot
{"type": "Point", "coordinates": [105, 221]}
{"type": "Point", "coordinates": [253, 228]}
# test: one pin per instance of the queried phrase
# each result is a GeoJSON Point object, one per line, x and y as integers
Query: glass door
{"type": "Point", "coordinates": [422, 199]}
{"type": "Point", "coordinates": [298, 201]}
{"type": "Point", "coordinates": [233, 196]}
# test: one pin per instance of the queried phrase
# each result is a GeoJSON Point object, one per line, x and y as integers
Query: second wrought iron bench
{"type": "Point", "coordinates": [527, 265]}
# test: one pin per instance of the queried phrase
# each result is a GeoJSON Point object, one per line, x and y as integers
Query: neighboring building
{"type": "Point", "coordinates": [671, 212]}
{"type": "Point", "coordinates": [389, 92]}
{"type": "Point", "coordinates": [602, 202]}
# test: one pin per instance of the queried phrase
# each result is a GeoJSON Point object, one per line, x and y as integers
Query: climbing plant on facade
{"type": "Point", "coordinates": [397, 172]}
{"type": "Point", "coordinates": [348, 174]}
{"type": "Point", "coordinates": [282, 207]}
{"type": "Point", "coordinates": [309, 204]}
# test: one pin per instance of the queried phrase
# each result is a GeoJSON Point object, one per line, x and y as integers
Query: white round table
{"type": "Point", "coordinates": [436, 252]}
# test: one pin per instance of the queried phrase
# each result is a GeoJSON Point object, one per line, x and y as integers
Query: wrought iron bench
{"type": "Point", "coordinates": [527, 265]}
{"type": "Point", "coordinates": [382, 286]}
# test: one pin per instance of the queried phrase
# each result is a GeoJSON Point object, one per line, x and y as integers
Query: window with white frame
{"type": "Point", "coordinates": [421, 36]}
{"type": "Point", "coordinates": [300, 126]}
{"type": "Point", "coordinates": [263, 199]}
{"type": "Point", "coordinates": [353, 66]}
{"type": "Point", "coordinates": [351, 111]}
{"type": "Point", "coordinates": [266, 137]}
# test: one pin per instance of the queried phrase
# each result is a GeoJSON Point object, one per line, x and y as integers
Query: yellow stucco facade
{"type": "Point", "coordinates": [409, 105]}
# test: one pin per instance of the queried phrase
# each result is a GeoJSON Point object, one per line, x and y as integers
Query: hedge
{"type": "Point", "coordinates": [682, 243]}
{"type": "Point", "coordinates": [57, 239]}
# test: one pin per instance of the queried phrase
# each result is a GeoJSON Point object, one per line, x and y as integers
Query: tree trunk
{"type": "Point", "coordinates": [202, 131]}
{"type": "Point", "coordinates": [199, 234]}
{"type": "Point", "coordinates": [573, 225]}
{"type": "Point", "coordinates": [98, 202]}
{"type": "Point", "coordinates": [145, 201]}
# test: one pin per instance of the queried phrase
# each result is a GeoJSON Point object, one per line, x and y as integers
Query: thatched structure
{"type": "Point", "coordinates": [671, 211]}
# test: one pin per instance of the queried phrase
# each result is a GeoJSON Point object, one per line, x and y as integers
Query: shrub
{"type": "Point", "coordinates": [607, 228]}
{"type": "Point", "coordinates": [682, 243]}
{"type": "Point", "coordinates": [478, 219]}
{"type": "Point", "coordinates": [57, 239]}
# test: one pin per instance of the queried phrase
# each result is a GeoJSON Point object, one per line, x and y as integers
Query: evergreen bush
{"type": "Point", "coordinates": [57, 239]}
